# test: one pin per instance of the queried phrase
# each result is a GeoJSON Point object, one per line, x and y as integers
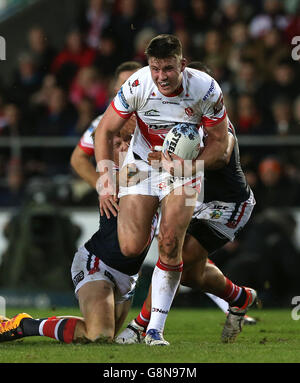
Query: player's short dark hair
{"type": "Point", "coordinates": [163, 46]}
{"type": "Point", "coordinates": [199, 65]}
{"type": "Point", "coordinates": [127, 66]}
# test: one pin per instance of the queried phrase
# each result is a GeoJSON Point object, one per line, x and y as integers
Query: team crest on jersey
{"type": "Point", "coordinates": [189, 111]}
{"type": "Point", "coordinates": [135, 83]}
{"type": "Point", "coordinates": [216, 214]}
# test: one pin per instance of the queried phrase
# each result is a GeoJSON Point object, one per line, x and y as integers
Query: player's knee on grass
{"type": "Point", "coordinates": [92, 334]}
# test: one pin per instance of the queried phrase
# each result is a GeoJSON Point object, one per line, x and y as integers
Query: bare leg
{"type": "Point", "coordinates": [134, 223]}
{"type": "Point", "coordinates": [96, 301]}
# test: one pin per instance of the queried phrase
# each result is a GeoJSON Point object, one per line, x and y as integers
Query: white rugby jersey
{"type": "Point", "coordinates": [86, 142]}
{"type": "Point", "coordinates": [200, 102]}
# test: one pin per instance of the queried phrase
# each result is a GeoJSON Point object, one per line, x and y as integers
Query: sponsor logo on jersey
{"type": "Point", "coordinates": [210, 90]}
{"type": "Point", "coordinates": [189, 111]}
{"type": "Point", "coordinates": [156, 310]}
{"type": "Point", "coordinates": [153, 96]}
{"type": "Point", "coordinates": [152, 112]}
{"type": "Point", "coordinates": [222, 207]}
{"type": "Point", "coordinates": [123, 99]}
{"type": "Point", "coordinates": [109, 276]}
{"type": "Point", "coordinates": [171, 102]}
{"type": "Point", "coordinates": [135, 83]}
{"type": "Point", "coordinates": [78, 277]}
{"type": "Point", "coordinates": [159, 129]}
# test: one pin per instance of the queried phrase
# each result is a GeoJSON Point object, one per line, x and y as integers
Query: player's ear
{"type": "Point", "coordinates": [183, 64]}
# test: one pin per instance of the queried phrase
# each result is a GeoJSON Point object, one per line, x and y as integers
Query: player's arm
{"type": "Point", "coordinates": [227, 155]}
{"type": "Point", "coordinates": [214, 140]}
{"type": "Point", "coordinates": [215, 122]}
{"type": "Point", "coordinates": [110, 124]}
{"type": "Point", "coordinates": [81, 163]}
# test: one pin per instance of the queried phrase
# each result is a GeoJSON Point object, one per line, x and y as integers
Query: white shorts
{"type": "Point", "coordinates": [228, 218]}
{"type": "Point", "coordinates": [87, 267]}
{"type": "Point", "coordinates": [152, 182]}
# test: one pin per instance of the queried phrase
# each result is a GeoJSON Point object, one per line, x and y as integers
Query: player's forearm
{"type": "Point", "coordinates": [104, 160]}
{"type": "Point", "coordinates": [80, 162]}
{"type": "Point", "coordinates": [87, 172]}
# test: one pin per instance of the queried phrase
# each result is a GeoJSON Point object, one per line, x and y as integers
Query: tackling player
{"type": "Point", "coordinates": [104, 283]}
{"type": "Point", "coordinates": [160, 95]}
{"type": "Point", "coordinates": [104, 279]}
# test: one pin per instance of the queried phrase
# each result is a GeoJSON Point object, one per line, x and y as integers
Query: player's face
{"type": "Point", "coordinates": [167, 73]}
{"type": "Point", "coordinates": [123, 76]}
{"type": "Point", "coordinates": [120, 146]}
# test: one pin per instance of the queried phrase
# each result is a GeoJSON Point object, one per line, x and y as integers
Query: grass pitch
{"type": "Point", "coordinates": [194, 335]}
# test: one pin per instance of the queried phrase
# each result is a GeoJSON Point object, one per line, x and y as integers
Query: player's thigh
{"type": "Point", "coordinates": [97, 304]}
{"type": "Point", "coordinates": [121, 312]}
{"type": "Point", "coordinates": [134, 220]}
{"type": "Point", "coordinates": [177, 211]}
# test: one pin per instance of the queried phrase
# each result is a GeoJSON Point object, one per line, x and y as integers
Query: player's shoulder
{"type": "Point", "coordinates": [201, 82]}
{"type": "Point", "coordinates": [139, 80]}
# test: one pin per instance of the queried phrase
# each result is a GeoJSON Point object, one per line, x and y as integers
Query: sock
{"type": "Point", "coordinates": [220, 302]}
{"type": "Point", "coordinates": [165, 281]}
{"type": "Point", "coordinates": [234, 294]}
{"type": "Point", "coordinates": [144, 317]}
{"type": "Point", "coordinates": [61, 329]}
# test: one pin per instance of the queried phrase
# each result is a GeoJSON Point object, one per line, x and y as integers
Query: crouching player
{"type": "Point", "coordinates": [104, 283]}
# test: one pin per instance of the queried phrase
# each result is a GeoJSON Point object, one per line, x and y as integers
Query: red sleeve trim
{"type": "Point", "coordinates": [89, 151]}
{"type": "Point", "coordinates": [209, 122]}
{"type": "Point", "coordinates": [124, 115]}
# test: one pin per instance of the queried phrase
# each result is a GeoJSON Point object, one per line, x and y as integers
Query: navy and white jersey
{"type": "Point", "coordinates": [104, 244]}
{"type": "Point", "coordinates": [229, 183]}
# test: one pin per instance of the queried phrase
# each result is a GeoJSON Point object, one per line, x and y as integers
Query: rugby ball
{"type": "Point", "coordinates": [184, 140]}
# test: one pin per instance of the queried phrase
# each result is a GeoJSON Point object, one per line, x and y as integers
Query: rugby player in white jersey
{"type": "Point", "coordinates": [226, 208]}
{"type": "Point", "coordinates": [160, 95]}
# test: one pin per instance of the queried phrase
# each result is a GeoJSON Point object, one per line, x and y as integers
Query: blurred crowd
{"type": "Point", "coordinates": [57, 92]}
{"type": "Point", "coordinates": [247, 45]}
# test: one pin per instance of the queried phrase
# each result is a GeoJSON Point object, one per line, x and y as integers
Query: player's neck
{"type": "Point", "coordinates": [176, 92]}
